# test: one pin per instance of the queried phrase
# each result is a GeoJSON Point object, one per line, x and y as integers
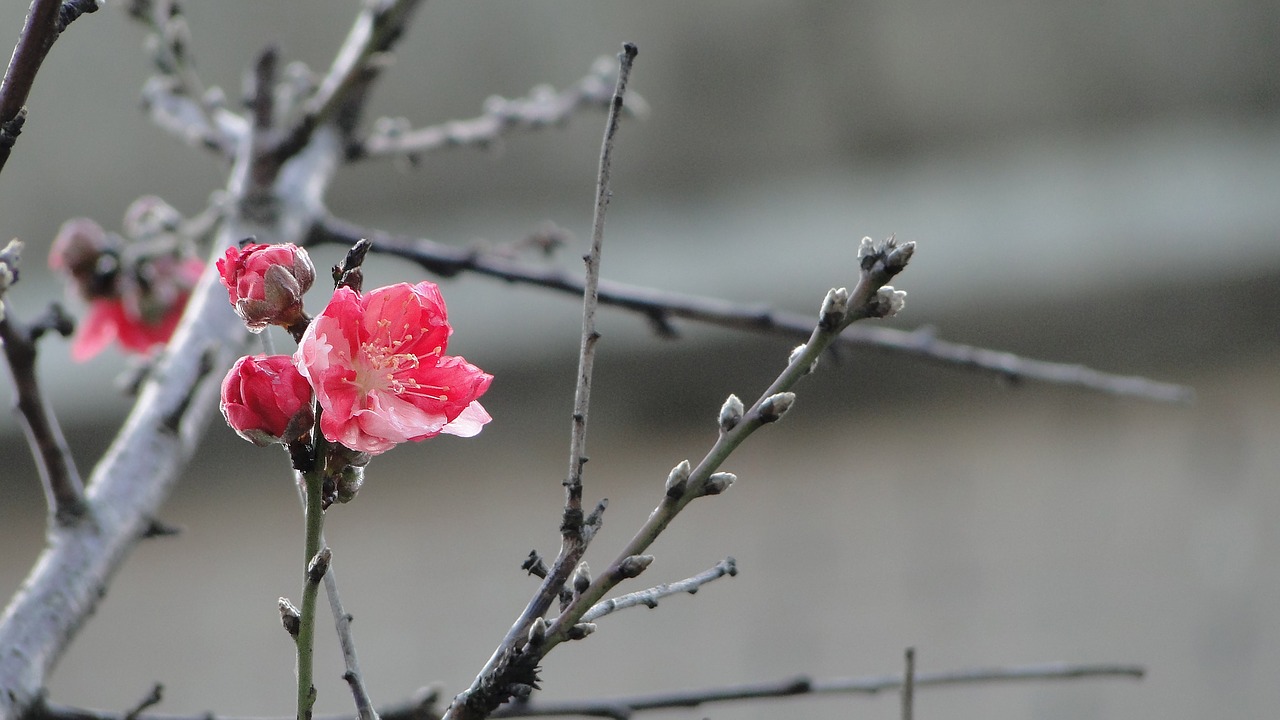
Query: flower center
{"type": "Point", "coordinates": [382, 365]}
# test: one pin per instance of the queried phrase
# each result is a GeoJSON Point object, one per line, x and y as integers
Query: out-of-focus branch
{"type": "Point", "coordinates": [909, 685]}
{"type": "Point", "coordinates": [543, 107]}
{"type": "Point", "coordinates": [650, 597]}
{"type": "Point", "coordinates": [169, 42]}
{"type": "Point", "coordinates": [661, 307]}
{"type": "Point", "coordinates": [62, 485]}
{"type": "Point", "coordinates": [189, 120]}
{"type": "Point", "coordinates": [341, 94]}
{"type": "Point", "coordinates": [624, 707]}
{"type": "Point", "coordinates": [46, 19]}
{"type": "Point", "coordinates": [510, 667]}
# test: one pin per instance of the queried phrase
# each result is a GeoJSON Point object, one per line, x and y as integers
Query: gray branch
{"type": "Point", "coordinates": [650, 597]}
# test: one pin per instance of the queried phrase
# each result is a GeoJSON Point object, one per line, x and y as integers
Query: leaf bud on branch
{"type": "Point", "coordinates": [730, 413]}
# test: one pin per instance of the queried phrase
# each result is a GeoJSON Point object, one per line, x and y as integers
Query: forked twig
{"type": "Point", "coordinates": [63, 488]}
{"type": "Point", "coordinates": [507, 667]}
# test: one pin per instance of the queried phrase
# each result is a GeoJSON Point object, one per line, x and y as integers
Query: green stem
{"type": "Point", "coordinates": [314, 480]}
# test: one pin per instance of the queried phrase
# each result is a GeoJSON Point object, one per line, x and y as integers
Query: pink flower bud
{"type": "Point", "coordinates": [266, 400]}
{"type": "Point", "coordinates": [265, 283]}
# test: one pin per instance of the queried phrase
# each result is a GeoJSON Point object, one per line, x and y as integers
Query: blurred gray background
{"type": "Point", "coordinates": [1087, 182]}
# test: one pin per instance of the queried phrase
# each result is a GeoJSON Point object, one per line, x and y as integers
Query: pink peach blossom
{"type": "Point", "coordinates": [378, 367]}
{"type": "Point", "coordinates": [266, 400]}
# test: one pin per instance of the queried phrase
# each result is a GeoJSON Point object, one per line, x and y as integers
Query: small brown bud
{"type": "Point", "coordinates": [633, 565]}
{"type": "Point", "coordinates": [718, 483]}
{"type": "Point", "coordinates": [775, 406]}
{"type": "Point", "coordinates": [290, 617]}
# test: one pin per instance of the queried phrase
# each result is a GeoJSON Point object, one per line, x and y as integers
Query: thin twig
{"type": "Point", "coordinates": [909, 685]}
{"type": "Point", "coordinates": [46, 19]}
{"type": "Point", "coordinates": [650, 597]}
{"type": "Point", "coordinates": [587, 348]}
{"type": "Point", "coordinates": [153, 698]}
{"type": "Point", "coordinates": [63, 487]}
{"type": "Point", "coordinates": [353, 676]}
{"type": "Point", "coordinates": [508, 667]}
{"type": "Point", "coordinates": [662, 306]}
{"type": "Point", "coordinates": [540, 109]}
{"type": "Point", "coordinates": [624, 707]}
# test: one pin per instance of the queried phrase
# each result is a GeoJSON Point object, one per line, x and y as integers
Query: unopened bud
{"type": "Point", "coordinates": [319, 565]}
{"type": "Point", "coordinates": [887, 302]}
{"type": "Point", "coordinates": [899, 257]}
{"type": "Point", "coordinates": [633, 565]}
{"type": "Point", "coordinates": [266, 400]}
{"type": "Point", "coordinates": [795, 355]}
{"type": "Point", "coordinates": [834, 308]}
{"type": "Point", "coordinates": [581, 579]}
{"type": "Point", "coordinates": [290, 617]}
{"type": "Point", "coordinates": [866, 248]}
{"type": "Point", "coordinates": [537, 631]}
{"type": "Point", "coordinates": [730, 413]}
{"type": "Point", "coordinates": [678, 479]}
{"type": "Point", "coordinates": [348, 484]}
{"type": "Point", "coordinates": [775, 406]}
{"type": "Point", "coordinates": [718, 483]}
{"type": "Point", "coordinates": [581, 630]}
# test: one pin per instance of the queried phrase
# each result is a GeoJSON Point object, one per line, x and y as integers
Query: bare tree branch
{"type": "Point", "coordinates": [46, 19]}
{"type": "Point", "coordinates": [63, 487]}
{"type": "Point", "coordinates": [662, 306]}
{"type": "Point", "coordinates": [352, 675]}
{"type": "Point", "coordinates": [542, 108]}
{"type": "Point", "coordinates": [169, 41]}
{"type": "Point", "coordinates": [624, 707]}
{"type": "Point", "coordinates": [650, 597]}
{"type": "Point", "coordinates": [508, 668]}
{"type": "Point", "coordinates": [357, 64]}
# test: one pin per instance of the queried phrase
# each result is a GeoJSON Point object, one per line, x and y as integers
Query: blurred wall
{"type": "Point", "coordinates": [1089, 183]}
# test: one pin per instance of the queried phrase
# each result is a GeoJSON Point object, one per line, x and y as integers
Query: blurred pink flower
{"type": "Point", "coordinates": [138, 319]}
{"type": "Point", "coordinates": [378, 367]}
{"type": "Point", "coordinates": [265, 283]}
{"type": "Point", "coordinates": [266, 400]}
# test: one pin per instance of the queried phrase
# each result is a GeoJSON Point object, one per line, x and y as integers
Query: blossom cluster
{"type": "Point", "coordinates": [372, 364]}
